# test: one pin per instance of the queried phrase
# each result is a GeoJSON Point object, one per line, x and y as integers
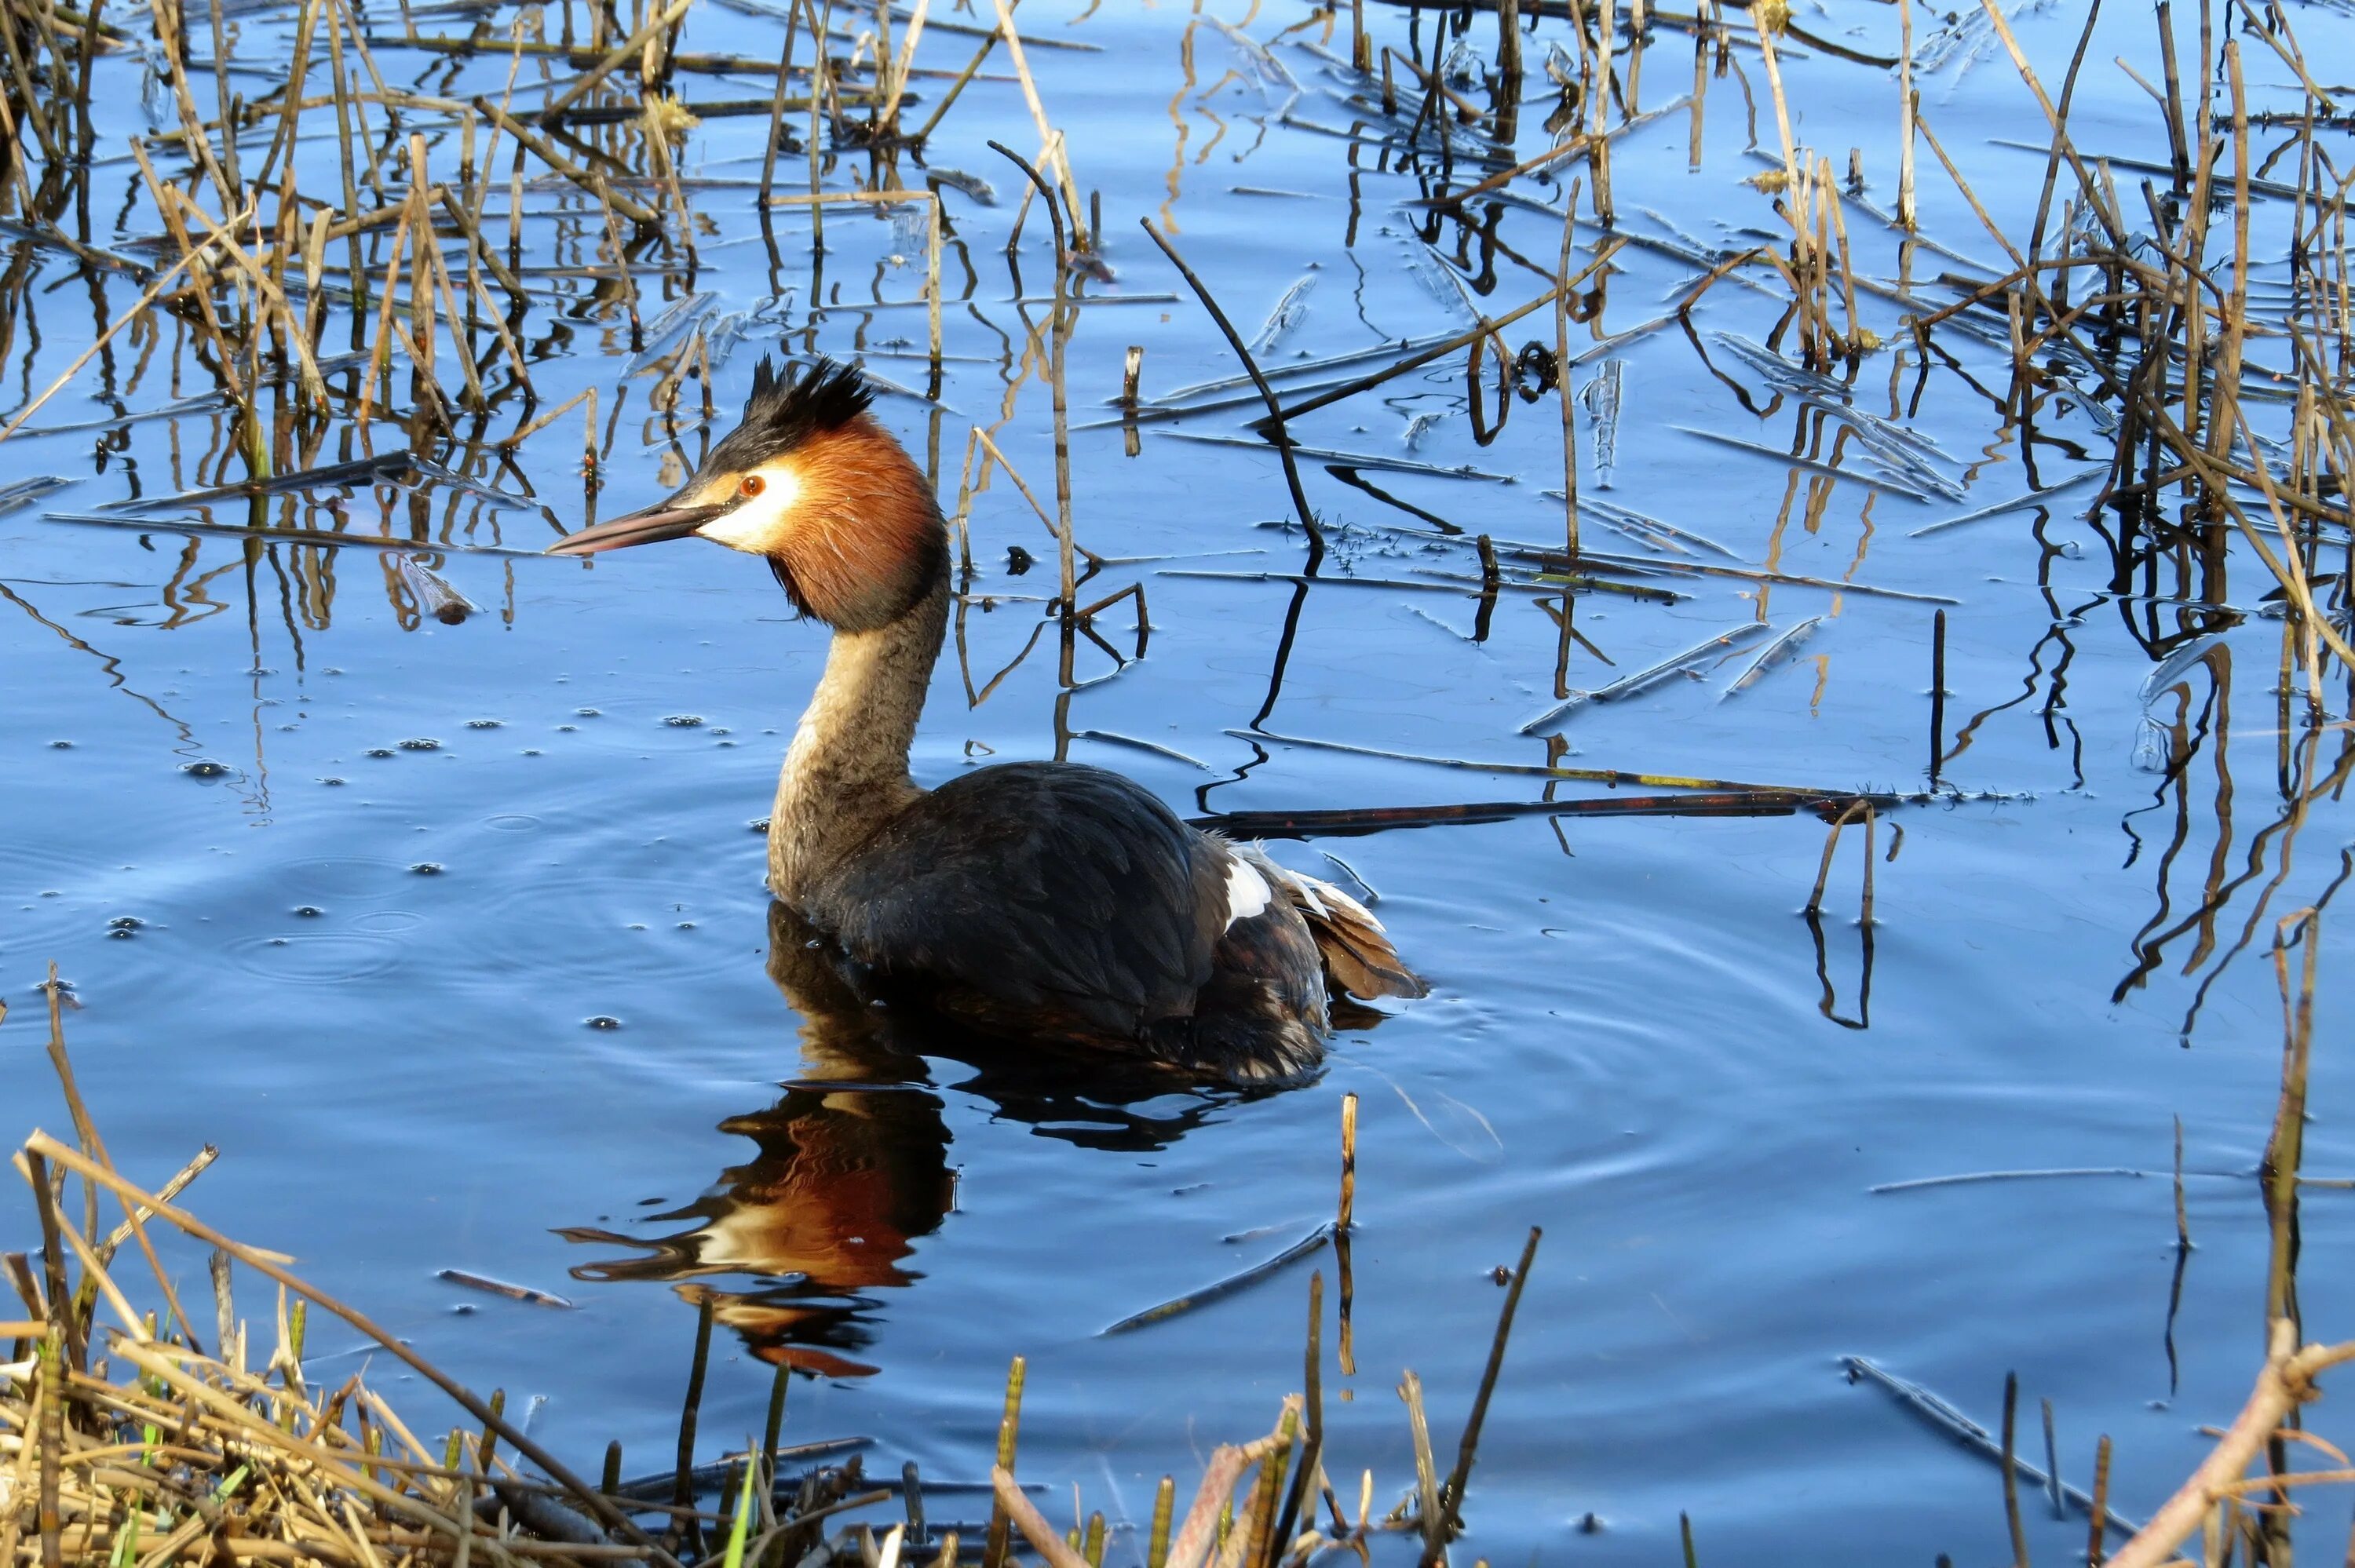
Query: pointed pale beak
{"type": "Point", "coordinates": [664, 520]}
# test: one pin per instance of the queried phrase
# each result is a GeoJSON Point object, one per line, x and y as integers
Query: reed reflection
{"type": "Point", "coordinates": [850, 1168]}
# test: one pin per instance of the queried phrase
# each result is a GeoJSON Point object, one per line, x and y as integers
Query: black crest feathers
{"type": "Point", "coordinates": [785, 410]}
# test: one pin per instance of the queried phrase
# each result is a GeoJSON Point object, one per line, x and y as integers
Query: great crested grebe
{"type": "Point", "coordinates": [1045, 901]}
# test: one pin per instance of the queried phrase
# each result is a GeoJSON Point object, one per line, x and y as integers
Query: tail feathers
{"type": "Point", "coordinates": [1357, 953]}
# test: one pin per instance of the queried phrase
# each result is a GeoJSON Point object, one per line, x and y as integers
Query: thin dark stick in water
{"type": "Point", "coordinates": [1280, 438]}
{"type": "Point", "coordinates": [1313, 1369]}
{"type": "Point", "coordinates": [1613, 777]}
{"type": "Point", "coordinates": [2011, 1473]}
{"type": "Point", "coordinates": [2097, 1538]}
{"type": "Point", "coordinates": [1937, 695]}
{"type": "Point", "coordinates": [1351, 819]}
{"type": "Point", "coordinates": [683, 1492]}
{"type": "Point", "coordinates": [1452, 1495]}
{"type": "Point", "coordinates": [775, 1421]}
{"type": "Point", "coordinates": [2182, 1222]}
{"type": "Point", "coordinates": [1222, 1288]}
{"type": "Point", "coordinates": [1684, 1529]}
{"type": "Point", "coordinates": [1969, 1432]}
{"type": "Point", "coordinates": [2053, 1466]}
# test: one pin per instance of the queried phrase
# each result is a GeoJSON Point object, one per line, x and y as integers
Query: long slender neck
{"type": "Point", "coordinates": [846, 773]}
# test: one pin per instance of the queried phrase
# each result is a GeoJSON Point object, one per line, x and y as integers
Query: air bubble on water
{"type": "Point", "coordinates": [426, 868]}
{"type": "Point", "coordinates": [602, 1021]}
{"type": "Point", "coordinates": [589, 713]}
{"type": "Point", "coordinates": [484, 724]}
{"type": "Point", "coordinates": [331, 781]}
{"type": "Point", "coordinates": [421, 742]}
{"type": "Point", "coordinates": [61, 746]}
{"type": "Point", "coordinates": [685, 721]}
{"type": "Point", "coordinates": [309, 911]}
{"type": "Point", "coordinates": [205, 769]}
{"type": "Point", "coordinates": [379, 751]}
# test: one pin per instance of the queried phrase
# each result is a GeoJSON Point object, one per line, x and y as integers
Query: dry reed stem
{"type": "Point", "coordinates": [1050, 147]}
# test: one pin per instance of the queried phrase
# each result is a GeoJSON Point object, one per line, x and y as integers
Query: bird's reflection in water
{"type": "Point", "coordinates": [851, 1166]}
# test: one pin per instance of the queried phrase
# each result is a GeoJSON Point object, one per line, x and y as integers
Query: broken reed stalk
{"type": "Point", "coordinates": [1451, 1495]}
{"type": "Point", "coordinates": [1906, 108]}
{"type": "Point", "coordinates": [1052, 153]}
{"type": "Point", "coordinates": [1855, 808]}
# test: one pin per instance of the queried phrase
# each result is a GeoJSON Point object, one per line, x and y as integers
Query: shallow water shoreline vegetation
{"type": "Point", "coordinates": [125, 1440]}
{"type": "Point", "coordinates": [129, 1437]}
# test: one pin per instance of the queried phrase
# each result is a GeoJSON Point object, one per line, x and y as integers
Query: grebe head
{"type": "Point", "coordinates": [810, 482]}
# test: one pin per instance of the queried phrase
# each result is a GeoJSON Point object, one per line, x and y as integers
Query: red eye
{"type": "Point", "coordinates": [754, 484]}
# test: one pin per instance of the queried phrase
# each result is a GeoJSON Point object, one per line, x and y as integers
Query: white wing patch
{"type": "Point", "coordinates": [1246, 890]}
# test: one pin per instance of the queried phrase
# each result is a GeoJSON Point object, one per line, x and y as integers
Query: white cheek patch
{"type": "Point", "coordinates": [1246, 890]}
{"type": "Point", "coordinates": [757, 525]}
